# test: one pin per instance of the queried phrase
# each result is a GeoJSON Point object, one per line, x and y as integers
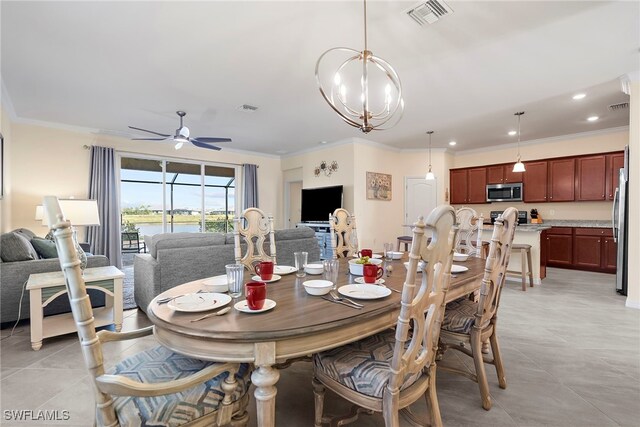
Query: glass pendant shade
{"type": "Point", "coordinates": [430, 176]}
{"type": "Point", "coordinates": [519, 166]}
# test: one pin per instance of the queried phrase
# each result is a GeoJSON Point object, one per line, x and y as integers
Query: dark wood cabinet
{"type": "Point", "coordinates": [535, 182]}
{"type": "Point", "coordinates": [591, 182]}
{"type": "Point", "coordinates": [580, 248]}
{"type": "Point", "coordinates": [587, 248]}
{"type": "Point", "coordinates": [615, 162]}
{"type": "Point", "coordinates": [468, 185]}
{"type": "Point", "coordinates": [561, 182]}
{"type": "Point", "coordinates": [543, 254]}
{"type": "Point", "coordinates": [560, 247]}
{"type": "Point", "coordinates": [503, 174]}
{"type": "Point", "coordinates": [609, 254]}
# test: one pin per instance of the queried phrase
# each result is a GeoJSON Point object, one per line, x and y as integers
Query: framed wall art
{"type": "Point", "coordinates": [378, 186]}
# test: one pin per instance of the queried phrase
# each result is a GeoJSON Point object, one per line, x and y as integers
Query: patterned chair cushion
{"type": "Point", "coordinates": [159, 364]}
{"type": "Point", "coordinates": [363, 366]}
{"type": "Point", "coordinates": [459, 316]}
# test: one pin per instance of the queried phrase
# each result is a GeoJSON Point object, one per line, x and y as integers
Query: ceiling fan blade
{"type": "Point", "coordinates": [150, 131]}
{"type": "Point", "coordinates": [206, 139]}
{"type": "Point", "coordinates": [204, 145]}
{"type": "Point", "coordinates": [148, 139]}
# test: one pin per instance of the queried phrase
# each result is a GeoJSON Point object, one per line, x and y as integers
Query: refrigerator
{"type": "Point", "coordinates": [620, 219]}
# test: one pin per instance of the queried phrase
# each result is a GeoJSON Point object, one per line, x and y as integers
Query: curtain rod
{"type": "Point", "coordinates": [88, 147]}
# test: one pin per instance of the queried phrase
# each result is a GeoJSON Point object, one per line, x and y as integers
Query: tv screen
{"type": "Point", "coordinates": [318, 203]}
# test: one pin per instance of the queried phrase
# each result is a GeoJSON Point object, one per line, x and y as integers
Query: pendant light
{"type": "Point", "coordinates": [519, 166]}
{"type": "Point", "coordinates": [351, 96]}
{"type": "Point", "coordinates": [430, 176]}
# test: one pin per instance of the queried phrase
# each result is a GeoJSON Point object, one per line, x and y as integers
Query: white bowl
{"type": "Point", "coordinates": [314, 268]}
{"type": "Point", "coordinates": [421, 265]}
{"type": "Point", "coordinates": [216, 284]}
{"type": "Point", "coordinates": [457, 256]}
{"type": "Point", "coordinates": [317, 287]}
{"type": "Point", "coordinates": [356, 269]}
{"type": "Point", "coordinates": [396, 255]}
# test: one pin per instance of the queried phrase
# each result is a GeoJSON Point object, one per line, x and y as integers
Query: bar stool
{"type": "Point", "coordinates": [525, 254]}
{"type": "Point", "coordinates": [406, 240]}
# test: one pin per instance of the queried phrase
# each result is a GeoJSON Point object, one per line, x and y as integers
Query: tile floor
{"type": "Point", "coordinates": [571, 350]}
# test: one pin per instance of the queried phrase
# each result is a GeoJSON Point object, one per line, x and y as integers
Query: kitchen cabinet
{"type": "Point", "coordinates": [559, 248]}
{"type": "Point", "coordinates": [591, 182]}
{"type": "Point", "coordinates": [615, 162]}
{"type": "Point", "coordinates": [535, 182]}
{"type": "Point", "coordinates": [503, 174]}
{"type": "Point", "coordinates": [543, 254]}
{"type": "Point", "coordinates": [561, 181]}
{"type": "Point", "coordinates": [587, 248]}
{"type": "Point", "coordinates": [468, 185]}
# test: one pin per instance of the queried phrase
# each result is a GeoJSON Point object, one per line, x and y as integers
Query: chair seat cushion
{"type": "Point", "coordinates": [159, 364]}
{"type": "Point", "coordinates": [459, 316]}
{"type": "Point", "coordinates": [363, 366]}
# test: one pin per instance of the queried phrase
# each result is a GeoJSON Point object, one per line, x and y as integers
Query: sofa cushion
{"type": "Point", "coordinates": [181, 240]}
{"type": "Point", "coordinates": [28, 234]}
{"type": "Point", "coordinates": [15, 247]}
{"type": "Point", "coordinates": [294, 233]}
{"type": "Point", "coordinates": [44, 247]}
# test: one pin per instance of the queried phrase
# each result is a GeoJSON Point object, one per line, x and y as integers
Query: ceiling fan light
{"type": "Point", "coordinates": [519, 167]}
{"type": "Point", "coordinates": [179, 144]}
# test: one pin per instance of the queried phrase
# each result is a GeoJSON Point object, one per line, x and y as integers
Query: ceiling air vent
{"type": "Point", "coordinates": [620, 106]}
{"type": "Point", "coordinates": [247, 108]}
{"type": "Point", "coordinates": [429, 12]}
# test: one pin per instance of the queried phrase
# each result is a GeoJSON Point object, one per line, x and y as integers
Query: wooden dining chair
{"type": "Point", "coordinates": [156, 386]}
{"type": "Point", "coordinates": [467, 324]}
{"type": "Point", "coordinates": [469, 223]}
{"type": "Point", "coordinates": [389, 371]}
{"type": "Point", "coordinates": [344, 240]}
{"type": "Point", "coordinates": [254, 227]}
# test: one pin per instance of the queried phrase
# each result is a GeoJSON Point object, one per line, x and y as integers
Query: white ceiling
{"type": "Point", "coordinates": [107, 65]}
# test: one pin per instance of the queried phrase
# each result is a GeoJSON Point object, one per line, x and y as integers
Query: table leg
{"type": "Point", "coordinates": [36, 318]}
{"type": "Point", "coordinates": [117, 304]}
{"type": "Point", "coordinates": [265, 377]}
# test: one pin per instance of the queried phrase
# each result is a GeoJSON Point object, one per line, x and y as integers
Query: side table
{"type": "Point", "coordinates": [45, 287]}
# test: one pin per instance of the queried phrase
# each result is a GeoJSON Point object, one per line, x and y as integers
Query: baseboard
{"type": "Point", "coordinates": [632, 304]}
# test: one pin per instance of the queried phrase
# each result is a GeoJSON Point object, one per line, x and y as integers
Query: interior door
{"type": "Point", "coordinates": [420, 199]}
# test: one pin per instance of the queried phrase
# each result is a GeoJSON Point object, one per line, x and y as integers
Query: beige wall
{"type": "Point", "coordinates": [599, 143]}
{"type": "Point", "coordinates": [45, 161]}
{"type": "Point", "coordinates": [5, 203]}
{"type": "Point", "coordinates": [633, 255]}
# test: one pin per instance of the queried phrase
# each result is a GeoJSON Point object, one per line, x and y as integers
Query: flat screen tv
{"type": "Point", "coordinates": [318, 203]}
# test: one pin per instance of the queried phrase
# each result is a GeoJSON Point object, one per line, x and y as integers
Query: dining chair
{"type": "Point", "coordinates": [254, 227]}
{"type": "Point", "coordinates": [344, 239]}
{"type": "Point", "coordinates": [390, 370]}
{"type": "Point", "coordinates": [469, 223]}
{"type": "Point", "coordinates": [467, 324]}
{"type": "Point", "coordinates": [156, 386]}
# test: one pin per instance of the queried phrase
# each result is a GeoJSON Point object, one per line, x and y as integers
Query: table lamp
{"type": "Point", "coordinates": [78, 212]}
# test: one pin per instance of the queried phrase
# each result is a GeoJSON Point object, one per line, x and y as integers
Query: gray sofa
{"type": "Point", "coordinates": [13, 278]}
{"type": "Point", "coordinates": [177, 258]}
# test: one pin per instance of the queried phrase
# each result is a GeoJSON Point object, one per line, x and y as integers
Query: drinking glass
{"type": "Point", "coordinates": [235, 278]}
{"type": "Point", "coordinates": [331, 267]}
{"type": "Point", "coordinates": [388, 248]}
{"type": "Point", "coordinates": [301, 261]}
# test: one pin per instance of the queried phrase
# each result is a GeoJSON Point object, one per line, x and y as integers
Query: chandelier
{"type": "Point", "coordinates": [519, 166]}
{"type": "Point", "coordinates": [364, 89]}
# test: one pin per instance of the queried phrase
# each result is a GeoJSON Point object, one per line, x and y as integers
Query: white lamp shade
{"type": "Point", "coordinates": [430, 176]}
{"type": "Point", "coordinates": [76, 211]}
{"type": "Point", "coordinates": [519, 167]}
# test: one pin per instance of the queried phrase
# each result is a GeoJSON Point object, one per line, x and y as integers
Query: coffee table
{"type": "Point", "coordinates": [45, 287]}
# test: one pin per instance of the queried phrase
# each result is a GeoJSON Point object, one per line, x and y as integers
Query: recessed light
{"type": "Point", "coordinates": [323, 142]}
{"type": "Point", "coordinates": [593, 118]}
{"type": "Point", "coordinates": [512, 133]}
{"type": "Point", "coordinates": [579, 96]}
{"type": "Point", "coordinates": [452, 143]}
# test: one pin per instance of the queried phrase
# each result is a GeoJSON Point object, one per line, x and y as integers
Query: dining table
{"type": "Point", "coordinates": [298, 325]}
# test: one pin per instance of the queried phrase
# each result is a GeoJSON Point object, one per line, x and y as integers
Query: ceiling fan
{"type": "Point", "coordinates": [182, 135]}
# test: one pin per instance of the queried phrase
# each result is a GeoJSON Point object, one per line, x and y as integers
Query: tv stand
{"type": "Point", "coordinates": [323, 235]}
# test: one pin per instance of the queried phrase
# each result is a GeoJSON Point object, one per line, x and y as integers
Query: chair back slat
{"type": "Point", "coordinates": [423, 303]}
{"type": "Point", "coordinates": [254, 227]}
{"type": "Point", "coordinates": [80, 306]}
{"type": "Point", "coordinates": [343, 233]}
{"type": "Point", "coordinates": [496, 266]}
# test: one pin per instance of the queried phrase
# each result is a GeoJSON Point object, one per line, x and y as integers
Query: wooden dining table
{"type": "Point", "coordinates": [299, 325]}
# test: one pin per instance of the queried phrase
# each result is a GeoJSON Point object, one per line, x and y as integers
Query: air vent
{"type": "Point", "coordinates": [620, 106]}
{"type": "Point", "coordinates": [429, 12]}
{"type": "Point", "coordinates": [247, 108]}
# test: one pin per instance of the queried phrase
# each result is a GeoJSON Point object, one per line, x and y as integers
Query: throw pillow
{"type": "Point", "coordinates": [16, 247]}
{"type": "Point", "coordinates": [44, 247]}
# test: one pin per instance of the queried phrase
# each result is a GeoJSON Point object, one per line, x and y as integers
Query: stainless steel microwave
{"type": "Point", "coordinates": [504, 192]}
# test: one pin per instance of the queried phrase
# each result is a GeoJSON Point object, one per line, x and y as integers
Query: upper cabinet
{"type": "Point", "coordinates": [615, 162]}
{"type": "Point", "coordinates": [562, 174]}
{"type": "Point", "coordinates": [535, 182]}
{"type": "Point", "coordinates": [468, 185]}
{"type": "Point", "coordinates": [591, 178]}
{"type": "Point", "coordinates": [503, 174]}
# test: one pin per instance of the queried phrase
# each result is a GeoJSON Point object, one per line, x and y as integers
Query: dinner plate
{"type": "Point", "coordinates": [361, 280]}
{"type": "Point", "coordinates": [283, 270]}
{"type": "Point", "coordinates": [458, 268]}
{"type": "Point", "coordinates": [193, 303]}
{"type": "Point", "coordinates": [243, 306]}
{"type": "Point", "coordinates": [367, 291]}
{"type": "Point", "coordinates": [274, 278]}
